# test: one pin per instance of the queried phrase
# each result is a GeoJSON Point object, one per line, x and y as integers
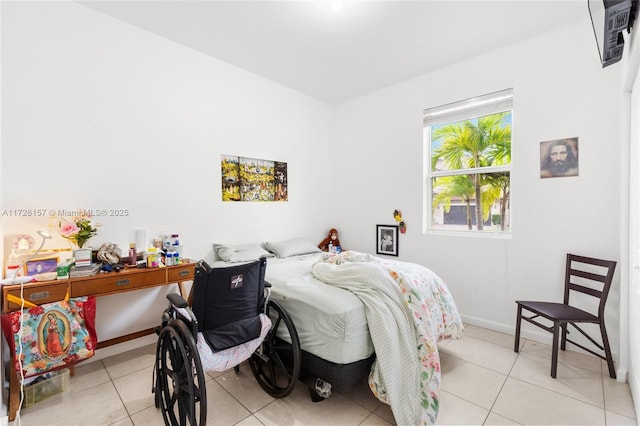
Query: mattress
{"type": "Point", "coordinates": [330, 321]}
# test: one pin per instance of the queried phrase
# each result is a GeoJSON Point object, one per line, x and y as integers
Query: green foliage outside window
{"type": "Point", "coordinates": [468, 159]}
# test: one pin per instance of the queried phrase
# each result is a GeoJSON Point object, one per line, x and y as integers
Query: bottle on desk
{"type": "Point", "coordinates": [176, 248]}
{"type": "Point", "coordinates": [133, 255]}
{"type": "Point", "coordinates": [169, 258]}
{"type": "Point", "coordinates": [13, 266]}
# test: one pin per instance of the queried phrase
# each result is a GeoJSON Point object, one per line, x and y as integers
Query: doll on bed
{"type": "Point", "coordinates": [331, 238]}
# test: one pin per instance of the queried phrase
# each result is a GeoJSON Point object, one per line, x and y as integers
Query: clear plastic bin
{"type": "Point", "coordinates": [51, 386]}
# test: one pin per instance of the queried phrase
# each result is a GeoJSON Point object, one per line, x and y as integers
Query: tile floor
{"type": "Point", "coordinates": [483, 382]}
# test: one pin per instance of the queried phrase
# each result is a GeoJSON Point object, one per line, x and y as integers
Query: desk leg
{"type": "Point", "coordinates": [181, 288]}
{"type": "Point", "coordinates": [183, 293]}
{"type": "Point", "coordinates": [14, 391]}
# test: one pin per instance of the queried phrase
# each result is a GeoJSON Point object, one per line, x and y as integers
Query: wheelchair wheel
{"type": "Point", "coordinates": [276, 363]}
{"type": "Point", "coordinates": [180, 380]}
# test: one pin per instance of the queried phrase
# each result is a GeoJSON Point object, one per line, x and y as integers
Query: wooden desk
{"type": "Point", "coordinates": [129, 279]}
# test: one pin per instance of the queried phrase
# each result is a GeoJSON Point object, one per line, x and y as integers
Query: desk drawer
{"type": "Point", "coordinates": [117, 282]}
{"type": "Point", "coordinates": [181, 273]}
{"type": "Point", "coordinates": [39, 294]}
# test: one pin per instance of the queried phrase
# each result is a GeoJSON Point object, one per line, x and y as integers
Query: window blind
{"type": "Point", "coordinates": [469, 108]}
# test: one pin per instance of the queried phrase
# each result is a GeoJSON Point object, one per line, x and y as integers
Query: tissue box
{"type": "Point", "coordinates": [82, 257]}
{"type": "Point", "coordinates": [63, 270]}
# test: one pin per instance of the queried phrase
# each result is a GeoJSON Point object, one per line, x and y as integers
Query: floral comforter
{"type": "Point", "coordinates": [409, 308]}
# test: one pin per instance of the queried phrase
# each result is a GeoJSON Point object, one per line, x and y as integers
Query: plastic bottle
{"type": "Point", "coordinates": [174, 240]}
{"type": "Point", "coordinates": [13, 265]}
{"type": "Point", "coordinates": [168, 258]}
{"type": "Point", "coordinates": [133, 254]}
{"type": "Point", "coordinates": [330, 249]}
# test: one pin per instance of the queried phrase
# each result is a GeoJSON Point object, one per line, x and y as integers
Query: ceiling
{"type": "Point", "coordinates": [338, 50]}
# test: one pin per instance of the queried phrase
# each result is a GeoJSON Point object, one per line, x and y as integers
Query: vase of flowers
{"type": "Point", "coordinates": [78, 230]}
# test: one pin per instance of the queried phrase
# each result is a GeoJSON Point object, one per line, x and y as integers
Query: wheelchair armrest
{"type": "Point", "coordinates": [267, 284]}
{"type": "Point", "coordinates": [181, 309]}
{"type": "Point", "coordinates": [177, 300]}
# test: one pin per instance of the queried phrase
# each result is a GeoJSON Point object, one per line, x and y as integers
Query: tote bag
{"type": "Point", "coordinates": [54, 335]}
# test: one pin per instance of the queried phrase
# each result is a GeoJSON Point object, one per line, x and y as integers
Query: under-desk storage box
{"type": "Point", "coordinates": [37, 391]}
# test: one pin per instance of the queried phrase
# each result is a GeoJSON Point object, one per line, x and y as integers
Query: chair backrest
{"type": "Point", "coordinates": [226, 295]}
{"type": "Point", "coordinates": [589, 276]}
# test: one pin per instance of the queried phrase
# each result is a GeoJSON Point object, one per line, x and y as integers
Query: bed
{"type": "Point", "coordinates": [334, 302]}
{"type": "Point", "coordinates": [331, 322]}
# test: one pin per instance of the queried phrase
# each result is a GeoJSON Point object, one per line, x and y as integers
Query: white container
{"type": "Point", "coordinates": [13, 266]}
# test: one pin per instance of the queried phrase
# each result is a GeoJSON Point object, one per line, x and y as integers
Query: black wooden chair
{"type": "Point", "coordinates": [584, 275]}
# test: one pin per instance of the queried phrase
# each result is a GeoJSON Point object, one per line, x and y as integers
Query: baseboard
{"type": "Point", "coordinates": [622, 375]}
{"type": "Point", "coordinates": [533, 333]}
{"type": "Point", "coordinates": [491, 325]}
{"type": "Point", "coordinates": [525, 332]}
{"type": "Point", "coordinates": [634, 385]}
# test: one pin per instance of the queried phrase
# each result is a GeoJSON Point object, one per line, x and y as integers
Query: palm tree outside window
{"type": "Point", "coordinates": [468, 165]}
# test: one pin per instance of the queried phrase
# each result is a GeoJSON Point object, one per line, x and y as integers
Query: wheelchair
{"type": "Point", "coordinates": [231, 319]}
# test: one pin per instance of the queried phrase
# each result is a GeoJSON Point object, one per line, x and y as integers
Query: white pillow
{"type": "Point", "coordinates": [239, 253]}
{"type": "Point", "coordinates": [291, 247]}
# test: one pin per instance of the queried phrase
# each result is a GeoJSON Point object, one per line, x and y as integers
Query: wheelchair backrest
{"type": "Point", "coordinates": [229, 294]}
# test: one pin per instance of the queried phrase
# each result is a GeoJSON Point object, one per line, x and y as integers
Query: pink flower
{"type": "Point", "coordinates": [79, 229]}
{"type": "Point", "coordinates": [67, 229]}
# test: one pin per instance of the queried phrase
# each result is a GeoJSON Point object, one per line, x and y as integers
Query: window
{"type": "Point", "coordinates": [468, 165]}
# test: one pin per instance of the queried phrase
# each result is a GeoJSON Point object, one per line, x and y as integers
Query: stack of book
{"type": "Point", "coordinates": [85, 271]}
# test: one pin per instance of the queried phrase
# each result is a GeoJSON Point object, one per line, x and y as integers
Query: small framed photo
{"type": "Point", "coordinates": [40, 266]}
{"type": "Point", "coordinates": [387, 239]}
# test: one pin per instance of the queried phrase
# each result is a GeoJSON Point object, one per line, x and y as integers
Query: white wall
{"type": "Point", "coordinates": [632, 97]}
{"type": "Point", "coordinates": [560, 91]}
{"type": "Point", "coordinates": [633, 306]}
{"type": "Point", "coordinates": [98, 114]}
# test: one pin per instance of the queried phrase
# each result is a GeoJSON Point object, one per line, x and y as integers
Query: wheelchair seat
{"type": "Point", "coordinates": [231, 319]}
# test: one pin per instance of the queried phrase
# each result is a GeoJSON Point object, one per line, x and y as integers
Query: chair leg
{"type": "Point", "coordinates": [516, 345]}
{"type": "Point", "coordinates": [563, 338]}
{"type": "Point", "coordinates": [554, 349]}
{"type": "Point", "coordinates": [607, 350]}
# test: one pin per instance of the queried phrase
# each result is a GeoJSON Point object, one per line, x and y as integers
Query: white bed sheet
{"type": "Point", "coordinates": [330, 321]}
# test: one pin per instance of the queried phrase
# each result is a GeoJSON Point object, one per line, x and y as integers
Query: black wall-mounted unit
{"type": "Point", "coordinates": [609, 19]}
